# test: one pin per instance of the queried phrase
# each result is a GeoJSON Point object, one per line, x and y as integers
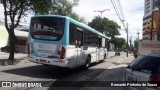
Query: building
{"type": "Point", "coordinates": [21, 33]}
{"type": "Point", "coordinates": [150, 20]}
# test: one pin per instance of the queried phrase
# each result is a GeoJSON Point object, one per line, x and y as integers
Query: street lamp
{"type": "Point", "coordinates": [101, 11]}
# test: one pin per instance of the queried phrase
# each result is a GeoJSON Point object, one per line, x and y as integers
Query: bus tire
{"type": "Point", "coordinates": [87, 64]}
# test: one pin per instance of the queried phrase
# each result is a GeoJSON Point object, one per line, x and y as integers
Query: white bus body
{"type": "Point", "coordinates": [62, 41]}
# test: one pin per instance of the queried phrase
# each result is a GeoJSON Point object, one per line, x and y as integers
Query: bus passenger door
{"type": "Point", "coordinates": [79, 48]}
{"type": "Point", "coordinates": [100, 52]}
{"type": "Point", "coordinates": [97, 54]}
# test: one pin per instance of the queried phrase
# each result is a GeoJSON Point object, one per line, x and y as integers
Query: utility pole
{"type": "Point", "coordinates": [127, 39]}
{"type": "Point", "coordinates": [130, 43]}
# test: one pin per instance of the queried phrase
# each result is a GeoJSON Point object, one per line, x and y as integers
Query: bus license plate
{"type": "Point", "coordinates": [43, 61]}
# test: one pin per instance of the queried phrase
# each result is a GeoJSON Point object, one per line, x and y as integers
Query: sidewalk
{"type": "Point", "coordinates": [110, 54]}
{"type": "Point", "coordinates": [115, 71]}
{"type": "Point", "coordinates": [122, 62]}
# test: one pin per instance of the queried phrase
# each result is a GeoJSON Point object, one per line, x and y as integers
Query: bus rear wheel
{"type": "Point", "coordinates": [87, 64]}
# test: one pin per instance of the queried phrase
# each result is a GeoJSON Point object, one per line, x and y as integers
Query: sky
{"type": "Point", "coordinates": [133, 11]}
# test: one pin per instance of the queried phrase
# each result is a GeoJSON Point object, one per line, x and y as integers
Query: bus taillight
{"type": "Point", "coordinates": [62, 54]}
{"type": "Point", "coordinates": [28, 49]}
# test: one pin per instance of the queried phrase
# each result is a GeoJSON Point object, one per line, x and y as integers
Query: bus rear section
{"type": "Point", "coordinates": [46, 41]}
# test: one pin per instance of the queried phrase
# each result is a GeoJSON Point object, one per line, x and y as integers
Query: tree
{"type": "Point", "coordinates": [64, 7]}
{"type": "Point", "coordinates": [77, 17]}
{"type": "Point", "coordinates": [42, 6]}
{"type": "Point", "coordinates": [105, 25]}
{"type": "Point", "coordinates": [14, 10]}
{"type": "Point", "coordinates": [118, 42]}
{"type": "Point", "coordinates": [108, 26]}
{"type": "Point", "coordinates": [136, 43]}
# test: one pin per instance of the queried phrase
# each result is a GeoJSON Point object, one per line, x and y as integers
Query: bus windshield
{"type": "Point", "coordinates": [47, 28]}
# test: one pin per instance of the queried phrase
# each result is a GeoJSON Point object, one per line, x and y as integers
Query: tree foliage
{"type": "Point", "coordinates": [14, 10]}
{"type": "Point", "coordinates": [75, 16]}
{"type": "Point", "coordinates": [64, 7]}
{"type": "Point", "coordinates": [41, 6]}
{"type": "Point", "coordinates": [105, 25]}
{"type": "Point", "coordinates": [109, 27]}
{"type": "Point", "coordinates": [118, 42]}
{"type": "Point", "coordinates": [136, 43]}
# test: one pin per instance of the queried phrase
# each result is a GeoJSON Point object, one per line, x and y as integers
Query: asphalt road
{"type": "Point", "coordinates": [53, 75]}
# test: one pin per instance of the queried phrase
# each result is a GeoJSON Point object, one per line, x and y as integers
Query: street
{"type": "Point", "coordinates": [110, 70]}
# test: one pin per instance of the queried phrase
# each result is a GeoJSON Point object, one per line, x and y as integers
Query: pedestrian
{"type": "Point", "coordinates": [135, 51]}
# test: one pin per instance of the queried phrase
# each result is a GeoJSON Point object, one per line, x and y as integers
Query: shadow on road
{"type": "Point", "coordinates": [49, 72]}
{"type": "Point", "coordinates": [41, 71]}
{"type": "Point", "coordinates": [68, 77]}
{"type": "Point", "coordinates": [92, 79]}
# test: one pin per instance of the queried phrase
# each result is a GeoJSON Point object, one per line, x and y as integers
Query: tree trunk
{"type": "Point", "coordinates": [12, 41]}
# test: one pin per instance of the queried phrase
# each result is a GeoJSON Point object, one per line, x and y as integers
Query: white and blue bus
{"type": "Point", "coordinates": [62, 41]}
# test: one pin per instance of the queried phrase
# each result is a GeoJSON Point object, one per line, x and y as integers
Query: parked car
{"type": "Point", "coordinates": [144, 68]}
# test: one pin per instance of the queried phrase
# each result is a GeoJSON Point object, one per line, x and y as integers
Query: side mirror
{"type": "Point", "coordinates": [128, 67]}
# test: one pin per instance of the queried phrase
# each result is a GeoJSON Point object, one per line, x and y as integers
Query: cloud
{"type": "Point", "coordinates": [133, 11]}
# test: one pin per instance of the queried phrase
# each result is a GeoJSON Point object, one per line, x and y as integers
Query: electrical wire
{"type": "Point", "coordinates": [119, 11]}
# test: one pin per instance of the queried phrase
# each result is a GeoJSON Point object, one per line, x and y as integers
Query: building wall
{"type": "Point", "coordinates": [147, 20]}
{"type": "Point", "coordinates": [3, 36]}
{"type": "Point", "coordinates": [22, 37]}
{"type": "Point", "coordinates": [149, 4]}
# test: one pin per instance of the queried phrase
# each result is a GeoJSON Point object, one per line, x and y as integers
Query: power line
{"type": "Point", "coordinates": [120, 15]}
{"type": "Point", "coordinates": [118, 12]}
{"type": "Point", "coordinates": [121, 10]}
{"type": "Point", "coordinates": [115, 8]}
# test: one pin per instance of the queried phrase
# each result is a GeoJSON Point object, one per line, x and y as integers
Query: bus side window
{"type": "Point", "coordinates": [72, 34]}
{"type": "Point", "coordinates": [96, 40]}
{"type": "Point", "coordinates": [99, 41]}
{"type": "Point", "coordinates": [85, 37]}
{"type": "Point", "coordinates": [79, 37]}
